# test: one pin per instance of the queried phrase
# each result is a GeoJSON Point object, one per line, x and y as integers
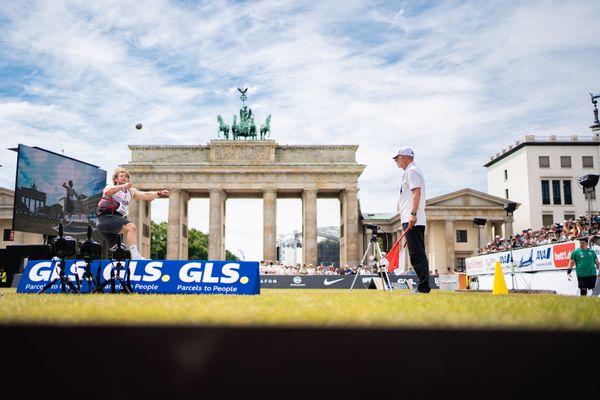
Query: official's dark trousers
{"type": "Point", "coordinates": [415, 239]}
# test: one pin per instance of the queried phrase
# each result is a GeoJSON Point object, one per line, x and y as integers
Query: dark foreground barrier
{"type": "Point", "coordinates": [338, 281]}
{"type": "Point", "coordinates": [335, 363]}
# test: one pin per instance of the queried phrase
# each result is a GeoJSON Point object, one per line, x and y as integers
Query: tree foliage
{"type": "Point", "coordinates": [197, 244]}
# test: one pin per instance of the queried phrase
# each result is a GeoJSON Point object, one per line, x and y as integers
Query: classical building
{"type": "Point", "coordinates": [7, 199]}
{"type": "Point", "coordinates": [251, 169]}
{"type": "Point", "coordinates": [542, 174]}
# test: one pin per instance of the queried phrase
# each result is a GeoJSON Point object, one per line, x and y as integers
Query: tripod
{"type": "Point", "coordinates": [87, 275]}
{"type": "Point", "coordinates": [375, 252]}
{"type": "Point", "coordinates": [513, 273]}
{"type": "Point", "coordinates": [120, 254]}
{"type": "Point", "coordinates": [89, 251]}
{"type": "Point", "coordinates": [64, 280]}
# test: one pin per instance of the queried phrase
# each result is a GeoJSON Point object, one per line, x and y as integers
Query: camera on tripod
{"type": "Point", "coordinates": [372, 227]}
{"type": "Point", "coordinates": [119, 251]}
{"type": "Point", "coordinates": [90, 249]}
{"type": "Point", "coordinates": [63, 246]}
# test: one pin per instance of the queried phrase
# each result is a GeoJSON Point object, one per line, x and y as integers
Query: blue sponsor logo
{"type": "Point", "coordinates": [526, 262]}
{"type": "Point", "coordinates": [543, 254]}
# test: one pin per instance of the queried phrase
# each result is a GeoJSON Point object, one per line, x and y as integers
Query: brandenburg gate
{"type": "Point", "coordinates": [248, 169]}
{"type": "Point", "coordinates": [254, 167]}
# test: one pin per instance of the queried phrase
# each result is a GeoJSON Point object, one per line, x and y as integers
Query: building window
{"type": "Point", "coordinates": [587, 161]}
{"type": "Point", "coordinates": [506, 193]}
{"type": "Point", "coordinates": [567, 192]}
{"type": "Point", "coordinates": [556, 192]}
{"type": "Point", "coordinates": [557, 197]}
{"type": "Point", "coordinates": [547, 219]}
{"type": "Point", "coordinates": [505, 174]}
{"type": "Point", "coordinates": [9, 235]}
{"type": "Point", "coordinates": [544, 161]}
{"type": "Point", "coordinates": [545, 192]}
{"type": "Point", "coordinates": [461, 236]}
{"type": "Point", "coordinates": [565, 161]}
{"type": "Point", "coordinates": [569, 217]}
{"type": "Point", "coordinates": [461, 264]}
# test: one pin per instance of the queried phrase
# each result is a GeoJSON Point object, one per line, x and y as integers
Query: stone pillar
{"type": "Point", "coordinates": [343, 212]}
{"type": "Point", "coordinates": [309, 226]}
{"type": "Point", "coordinates": [216, 227]}
{"type": "Point", "coordinates": [134, 217]}
{"type": "Point", "coordinates": [497, 229]}
{"type": "Point", "coordinates": [145, 227]}
{"type": "Point", "coordinates": [270, 225]}
{"type": "Point", "coordinates": [487, 234]}
{"type": "Point", "coordinates": [177, 226]}
{"type": "Point", "coordinates": [352, 234]}
{"type": "Point", "coordinates": [449, 238]}
{"type": "Point", "coordinates": [508, 226]}
{"type": "Point", "coordinates": [139, 214]}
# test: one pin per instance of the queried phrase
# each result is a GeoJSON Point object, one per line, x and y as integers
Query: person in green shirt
{"type": "Point", "coordinates": [584, 261]}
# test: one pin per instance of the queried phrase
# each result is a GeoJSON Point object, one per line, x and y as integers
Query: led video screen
{"type": "Point", "coordinates": [53, 189]}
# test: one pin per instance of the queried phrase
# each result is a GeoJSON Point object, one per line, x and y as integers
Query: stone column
{"type": "Point", "coordinates": [139, 214]}
{"type": "Point", "coordinates": [134, 216]}
{"type": "Point", "coordinates": [343, 212]}
{"type": "Point", "coordinates": [145, 228]}
{"type": "Point", "coordinates": [497, 229]}
{"type": "Point", "coordinates": [352, 233]}
{"type": "Point", "coordinates": [177, 226]}
{"type": "Point", "coordinates": [185, 197]}
{"type": "Point", "coordinates": [270, 225]}
{"type": "Point", "coordinates": [449, 238]}
{"type": "Point", "coordinates": [216, 227]}
{"type": "Point", "coordinates": [508, 226]}
{"type": "Point", "coordinates": [309, 226]}
{"type": "Point", "coordinates": [487, 234]}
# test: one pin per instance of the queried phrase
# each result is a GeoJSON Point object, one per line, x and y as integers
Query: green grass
{"type": "Point", "coordinates": [308, 308]}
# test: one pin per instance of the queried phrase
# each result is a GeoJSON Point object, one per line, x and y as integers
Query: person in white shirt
{"type": "Point", "coordinates": [411, 206]}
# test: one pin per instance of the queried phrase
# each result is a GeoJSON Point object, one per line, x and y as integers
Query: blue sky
{"type": "Point", "coordinates": [458, 81]}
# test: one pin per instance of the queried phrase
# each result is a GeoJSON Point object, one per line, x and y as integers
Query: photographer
{"type": "Point", "coordinates": [113, 207]}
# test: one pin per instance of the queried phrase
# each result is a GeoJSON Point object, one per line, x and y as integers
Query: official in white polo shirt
{"type": "Point", "coordinates": [411, 206]}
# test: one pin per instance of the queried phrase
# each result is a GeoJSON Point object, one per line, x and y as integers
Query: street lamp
{"type": "Point", "coordinates": [595, 127]}
{"type": "Point", "coordinates": [588, 183]}
{"type": "Point", "coordinates": [510, 208]}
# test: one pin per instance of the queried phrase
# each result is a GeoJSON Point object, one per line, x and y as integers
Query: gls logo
{"type": "Point", "coordinates": [193, 272]}
{"type": "Point", "coordinates": [152, 272]}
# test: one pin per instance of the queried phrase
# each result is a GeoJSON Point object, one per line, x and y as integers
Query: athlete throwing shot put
{"type": "Point", "coordinates": [113, 208]}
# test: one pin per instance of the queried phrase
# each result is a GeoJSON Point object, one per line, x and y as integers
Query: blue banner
{"type": "Point", "coordinates": [145, 276]}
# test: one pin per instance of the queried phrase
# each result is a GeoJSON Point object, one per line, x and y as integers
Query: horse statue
{"type": "Point", "coordinates": [265, 129]}
{"type": "Point", "coordinates": [223, 127]}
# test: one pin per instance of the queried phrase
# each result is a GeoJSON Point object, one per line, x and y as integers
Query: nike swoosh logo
{"type": "Point", "coordinates": [327, 282]}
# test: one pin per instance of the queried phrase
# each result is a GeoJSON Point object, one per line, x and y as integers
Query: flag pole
{"type": "Point", "coordinates": [397, 242]}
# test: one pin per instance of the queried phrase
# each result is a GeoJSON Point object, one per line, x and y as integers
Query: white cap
{"type": "Point", "coordinates": [404, 151]}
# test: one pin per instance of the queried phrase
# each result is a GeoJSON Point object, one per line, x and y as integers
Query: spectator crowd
{"type": "Point", "coordinates": [555, 233]}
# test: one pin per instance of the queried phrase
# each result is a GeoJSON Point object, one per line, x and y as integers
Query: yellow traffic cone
{"type": "Point", "coordinates": [499, 283]}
